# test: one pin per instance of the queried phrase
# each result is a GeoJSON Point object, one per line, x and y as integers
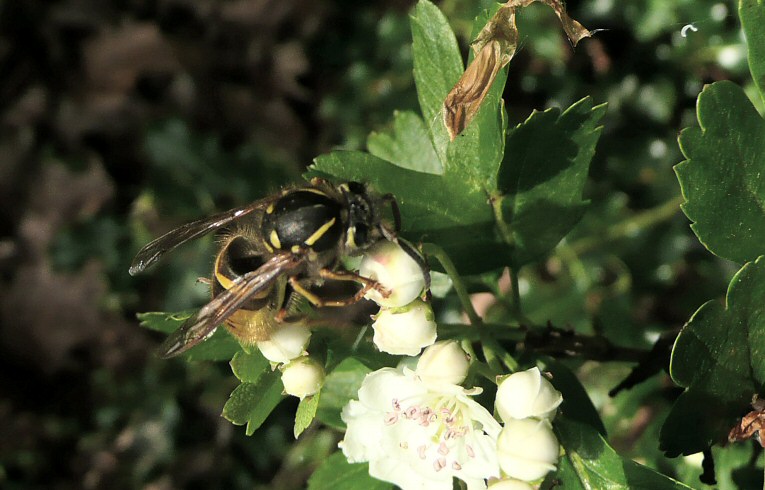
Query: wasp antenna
{"type": "Point", "coordinates": [391, 199]}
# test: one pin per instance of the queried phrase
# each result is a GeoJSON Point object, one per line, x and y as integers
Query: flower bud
{"type": "Point", "coordinates": [405, 330]}
{"type": "Point", "coordinates": [527, 394]}
{"type": "Point", "coordinates": [510, 484]}
{"type": "Point", "coordinates": [302, 377]}
{"type": "Point", "coordinates": [389, 265]}
{"type": "Point", "coordinates": [444, 362]}
{"type": "Point", "coordinates": [527, 449]}
{"type": "Point", "coordinates": [286, 343]}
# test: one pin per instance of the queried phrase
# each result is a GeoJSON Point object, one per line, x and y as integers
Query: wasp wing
{"type": "Point", "coordinates": [203, 324]}
{"type": "Point", "coordinates": [155, 249]}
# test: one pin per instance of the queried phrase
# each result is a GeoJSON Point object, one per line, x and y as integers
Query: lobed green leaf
{"type": "Point", "coordinates": [719, 356]}
{"type": "Point", "coordinates": [543, 175]}
{"type": "Point", "coordinates": [752, 14]}
{"type": "Point", "coordinates": [589, 462]}
{"type": "Point", "coordinates": [252, 403]}
{"type": "Point", "coordinates": [722, 178]}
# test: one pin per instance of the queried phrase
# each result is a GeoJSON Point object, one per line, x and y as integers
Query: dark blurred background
{"type": "Point", "coordinates": [122, 119]}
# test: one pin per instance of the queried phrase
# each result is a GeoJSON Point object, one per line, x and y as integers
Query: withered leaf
{"type": "Point", "coordinates": [495, 46]}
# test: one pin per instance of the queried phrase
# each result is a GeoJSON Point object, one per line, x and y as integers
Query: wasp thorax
{"type": "Point", "coordinates": [304, 218]}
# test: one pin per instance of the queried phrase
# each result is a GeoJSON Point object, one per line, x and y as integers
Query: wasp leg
{"type": "Point", "coordinates": [366, 283]}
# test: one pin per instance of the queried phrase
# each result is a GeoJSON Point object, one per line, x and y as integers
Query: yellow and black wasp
{"type": "Point", "coordinates": [277, 248]}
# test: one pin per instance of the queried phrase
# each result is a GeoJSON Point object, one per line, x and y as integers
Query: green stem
{"type": "Point", "coordinates": [630, 226]}
{"type": "Point", "coordinates": [516, 310]}
{"type": "Point", "coordinates": [459, 287]}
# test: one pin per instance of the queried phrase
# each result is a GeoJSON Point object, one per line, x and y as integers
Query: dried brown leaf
{"type": "Point", "coordinates": [495, 46]}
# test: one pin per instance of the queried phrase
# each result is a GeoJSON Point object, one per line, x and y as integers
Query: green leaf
{"type": "Point", "coordinates": [474, 156]}
{"type": "Point", "coordinates": [719, 357]}
{"type": "Point", "coordinates": [305, 413]}
{"type": "Point", "coordinates": [252, 403]}
{"type": "Point", "coordinates": [590, 462]}
{"type": "Point", "coordinates": [249, 367]}
{"type": "Point", "coordinates": [408, 144]}
{"type": "Point", "coordinates": [336, 473]}
{"type": "Point", "coordinates": [543, 175]}
{"type": "Point", "coordinates": [340, 386]}
{"type": "Point", "coordinates": [752, 13]}
{"type": "Point", "coordinates": [437, 60]}
{"type": "Point", "coordinates": [452, 209]}
{"type": "Point", "coordinates": [721, 179]}
{"type": "Point", "coordinates": [220, 347]}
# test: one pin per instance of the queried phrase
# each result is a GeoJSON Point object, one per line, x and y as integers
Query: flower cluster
{"type": "Point", "coordinates": [527, 448]}
{"type": "Point", "coordinates": [405, 324]}
{"type": "Point", "coordinates": [419, 428]}
{"type": "Point", "coordinates": [302, 376]}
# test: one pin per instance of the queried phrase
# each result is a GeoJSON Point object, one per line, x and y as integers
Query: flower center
{"type": "Point", "coordinates": [441, 431]}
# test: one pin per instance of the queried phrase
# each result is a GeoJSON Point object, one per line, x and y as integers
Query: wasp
{"type": "Point", "coordinates": [279, 247]}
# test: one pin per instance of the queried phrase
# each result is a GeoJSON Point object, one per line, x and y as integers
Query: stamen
{"type": "Point", "coordinates": [456, 466]}
{"type": "Point", "coordinates": [439, 464]}
{"type": "Point", "coordinates": [469, 450]}
{"type": "Point", "coordinates": [443, 449]}
{"type": "Point", "coordinates": [412, 412]}
{"type": "Point", "coordinates": [421, 451]}
{"type": "Point", "coordinates": [391, 418]}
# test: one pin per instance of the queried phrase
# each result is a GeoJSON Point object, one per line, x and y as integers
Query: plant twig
{"type": "Point", "coordinates": [459, 287]}
{"type": "Point", "coordinates": [630, 226]}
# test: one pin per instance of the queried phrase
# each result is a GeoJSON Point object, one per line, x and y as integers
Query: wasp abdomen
{"type": "Point", "coordinates": [303, 218]}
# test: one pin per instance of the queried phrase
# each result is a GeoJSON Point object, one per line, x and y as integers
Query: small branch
{"type": "Point", "coordinates": [559, 343]}
{"type": "Point", "coordinates": [550, 340]}
{"type": "Point", "coordinates": [459, 287]}
{"type": "Point", "coordinates": [630, 226]}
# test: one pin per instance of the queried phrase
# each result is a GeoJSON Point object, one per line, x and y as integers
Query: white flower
{"type": "Point", "coordinates": [286, 343]}
{"type": "Point", "coordinates": [510, 484]}
{"type": "Point", "coordinates": [444, 362]}
{"type": "Point", "coordinates": [405, 331]}
{"type": "Point", "coordinates": [389, 265]}
{"type": "Point", "coordinates": [527, 449]}
{"type": "Point", "coordinates": [418, 435]}
{"type": "Point", "coordinates": [302, 377]}
{"type": "Point", "coordinates": [527, 394]}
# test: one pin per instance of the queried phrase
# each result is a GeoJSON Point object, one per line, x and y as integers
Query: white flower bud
{"type": "Point", "coordinates": [286, 343]}
{"type": "Point", "coordinates": [527, 394]}
{"type": "Point", "coordinates": [405, 330]}
{"type": "Point", "coordinates": [527, 449]}
{"type": "Point", "coordinates": [302, 377]}
{"type": "Point", "coordinates": [510, 484]}
{"type": "Point", "coordinates": [444, 362]}
{"type": "Point", "coordinates": [389, 265]}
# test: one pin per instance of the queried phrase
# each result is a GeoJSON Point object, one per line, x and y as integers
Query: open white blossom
{"type": "Point", "coordinates": [393, 268]}
{"type": "Point", "coordinates": [444, 362]}
{"type": "Point", "coordinates": [302, 377]}
{"type": "Point", "coordinates": [406, 330]}
{"type": "Point", "coordinates": [527, 394]}
{"type": "Point", "coordinates": [286, 343]}
{"type": "Point", "coordinates": [419, 435]}
{"type": "Point", "coordinates": [527, 449]}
